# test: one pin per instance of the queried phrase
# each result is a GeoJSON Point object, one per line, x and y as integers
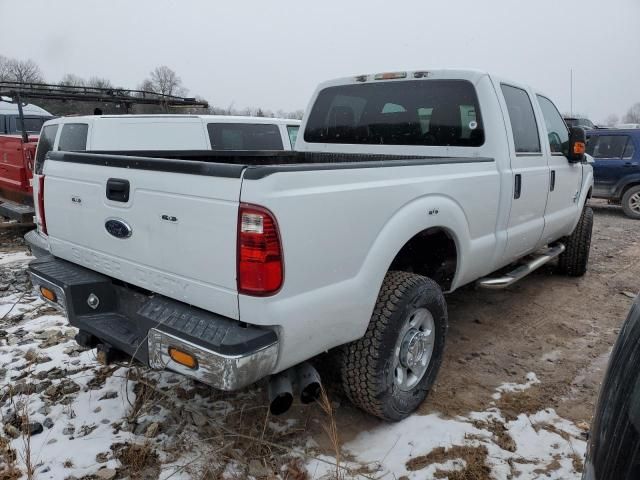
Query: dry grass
{"type": "Point", "coordinates": [331, 429]}
{"type": "Point", "coordinates": [474, 457]}
{"type": "Point", "coordinates": [23, 421]}
{"type": "Point", "coordinates": [577, 462]}
{"type": "Point", "coordinates": [8, 468]}
{"type": "Point", "coordinates": [139, 459]}
{"type": "Point", "coordinates": [502, 438]}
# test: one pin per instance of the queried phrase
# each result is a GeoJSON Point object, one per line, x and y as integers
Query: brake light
{"type": "Point", "coordinates": [260, 262]}
{"type": "Point", "coordinates": [42, 221]}
{"type": "Point", "coordinates": [390, 75]}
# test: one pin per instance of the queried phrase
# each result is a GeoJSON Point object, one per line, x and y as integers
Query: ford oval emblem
{"type": "Point", "coordinates": [118, 228]}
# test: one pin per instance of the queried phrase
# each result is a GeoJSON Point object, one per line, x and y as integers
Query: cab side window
{"type": "Point", "coordinates": [73, 137]}
{"type": "Point", "coordinates": [629, 150]}
{"type": "Point", "coordinates": [292, 130]}
{"type": "Point", "coordinates": [523, 121]}
{"type": "Point", "coordinates": [557, 131]}
{"type": "Point", "coordinates": [608, 146]}
{"type": "Point", "coordinates": [45, 144]}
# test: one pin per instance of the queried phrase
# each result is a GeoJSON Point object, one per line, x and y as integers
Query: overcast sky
{"type": "Point", "coordinates": [273, 53]}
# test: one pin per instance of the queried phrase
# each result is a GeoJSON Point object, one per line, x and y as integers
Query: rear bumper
{"type": "Point", "coordinates": [145, 326]}
{"type": "Point", "coordinates": [38, 244]}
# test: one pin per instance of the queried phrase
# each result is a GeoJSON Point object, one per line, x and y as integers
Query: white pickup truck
{"type": "Point", "coordinates": [234, 266]}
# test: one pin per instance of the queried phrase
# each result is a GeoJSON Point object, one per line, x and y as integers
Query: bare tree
{"type": "Point", "coordinates": [612, 120]}
{"type": "Point", "coordinates": [97, 82]}
{"type": "Point", "coordinates": [633, 114]}
{"type": "Point", "coordinates": [166, 82]}
{"type": "Point", "coordinates": [4, 68]}
{"type": "Point", "coordinates": [71, 80]}
{"type": "Point", "coordinates": [25, 71]}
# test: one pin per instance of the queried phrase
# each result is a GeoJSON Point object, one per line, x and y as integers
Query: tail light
{"type": "Point", "coordinates": [260, 262]}
{"type": "Point", "coordinates": [42, 221]}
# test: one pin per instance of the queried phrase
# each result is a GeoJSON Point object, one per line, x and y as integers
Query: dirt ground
{"type": "Point", "coordinates": [561, 328]}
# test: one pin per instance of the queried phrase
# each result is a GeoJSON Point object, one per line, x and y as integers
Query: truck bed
{"type": "Point", "coordinates": [231, 163]}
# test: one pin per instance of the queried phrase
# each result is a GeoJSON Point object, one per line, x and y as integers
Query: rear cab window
{"type": "Point", "coordinates": [415, 112]}
{"type": "Point", "coordinates": [524, 126]}
{"type": "Point", "coordinates": [73, 137]}
{"type": "Point", "coordinates": [244, 136]}
{"type": "Point", "coordinates": [45, 145]}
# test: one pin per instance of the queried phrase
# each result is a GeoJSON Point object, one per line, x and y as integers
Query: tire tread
{"type": "Point", "coordinates": [574, 260]}
{"type": "Point", "coordinates": [360, 378]}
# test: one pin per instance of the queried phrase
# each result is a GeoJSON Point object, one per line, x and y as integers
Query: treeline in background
{"type": "Point", "coordinates": [162, 80]}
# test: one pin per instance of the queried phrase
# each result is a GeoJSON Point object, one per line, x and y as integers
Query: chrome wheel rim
{"type": "Point", "coordinates": [634, 202]}
{"type": "Point", "coordinates": [414, 349]}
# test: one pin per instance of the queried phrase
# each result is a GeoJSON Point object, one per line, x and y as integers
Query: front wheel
{"type": "Point", "coordinates": [389, 371]}
{"type": "Point", "coordinates": [574, 260]}
{"type": "Point", "coordinates": [631, 202]}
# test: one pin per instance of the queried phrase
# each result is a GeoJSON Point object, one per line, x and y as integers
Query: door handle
{"type": "Point", "coordinates": [630, 164]}
{"type": "Point", "coordinates": [118, 190]}
{"type": "Point", "coordinates": [518, 186]}
{"type": "Point", "coordinates": [552, 185]}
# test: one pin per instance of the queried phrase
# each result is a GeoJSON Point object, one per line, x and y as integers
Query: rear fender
{"type": "Point", "coordinates": [420, 214]}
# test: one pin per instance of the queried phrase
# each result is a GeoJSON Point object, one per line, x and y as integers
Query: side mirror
{"type": "Point", "coordinates": [577, 144]}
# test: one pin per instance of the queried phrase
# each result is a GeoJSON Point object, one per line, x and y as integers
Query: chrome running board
{"type": "Point", "coordinates": [523, 270]}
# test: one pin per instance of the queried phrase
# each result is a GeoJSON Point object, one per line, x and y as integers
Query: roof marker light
{"type": "Point", "coordinates": [390, 75]}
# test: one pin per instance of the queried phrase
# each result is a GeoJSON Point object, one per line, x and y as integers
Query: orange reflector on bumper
{"type": "Point", "coordinates": [48, 294]}
{"type": "Point", "coordinates": [183, 358]}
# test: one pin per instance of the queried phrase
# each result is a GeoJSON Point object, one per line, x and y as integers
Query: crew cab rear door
{"type": "Point", "coordinates": [613, 155]}
{"type": "Point", "coordinates": [167, 226]}
{"type": "Point", "coordinates": [530, 172]}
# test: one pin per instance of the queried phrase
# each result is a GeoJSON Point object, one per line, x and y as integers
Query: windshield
{"type": "Point", "coordinates": [425, 112]}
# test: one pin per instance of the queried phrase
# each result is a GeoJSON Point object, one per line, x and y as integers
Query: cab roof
{"type": "Point", "coordinates": [7, 108]}
{"type": "Point", "coordinates": [170, 117]}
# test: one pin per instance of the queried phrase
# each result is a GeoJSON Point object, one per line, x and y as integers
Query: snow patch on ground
{"type": "Point", "coordinates": [6, 258]}
{"type": "Point", "coordinates": [543, 445]}
{"type": "Point", "coordinates": [531, 380]}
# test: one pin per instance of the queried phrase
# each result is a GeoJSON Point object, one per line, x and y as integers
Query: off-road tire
{"type": "Point", "coordinates": [574, 260]}
{"type": "Point", "coordinates": [367, 364]}
{"type": "Point", "coordinates": [626, 202]}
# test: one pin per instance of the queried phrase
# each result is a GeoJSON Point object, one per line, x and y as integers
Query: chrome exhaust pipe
{"type": "Point", "coordinates": [280, 393]}
{"type": "Point", "coordinates": [308, 380]}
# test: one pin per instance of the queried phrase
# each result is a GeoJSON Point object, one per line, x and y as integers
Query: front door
{"type": "Point", "coordinates": [565, 178]}
{"type": "Point", "coordinates": [530, 174]}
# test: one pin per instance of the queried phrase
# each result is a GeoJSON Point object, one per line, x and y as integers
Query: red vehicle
{"type": "Point", "coordinates": [16, 158]}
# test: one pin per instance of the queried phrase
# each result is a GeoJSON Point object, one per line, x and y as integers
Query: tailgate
{"type": "Point", "coordinates": [174, 235]}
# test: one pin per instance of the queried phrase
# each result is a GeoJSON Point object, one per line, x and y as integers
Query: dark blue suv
{"type": "Point", "coordinates": [617, 167]}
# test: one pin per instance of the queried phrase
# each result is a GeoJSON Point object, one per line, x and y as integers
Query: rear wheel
{"type": "Point", "coordinates": [631, 202]}
{"type": "Point", "coordinates": [389, 371]}
{"type": "Point", "coordinates": [574, 260]}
